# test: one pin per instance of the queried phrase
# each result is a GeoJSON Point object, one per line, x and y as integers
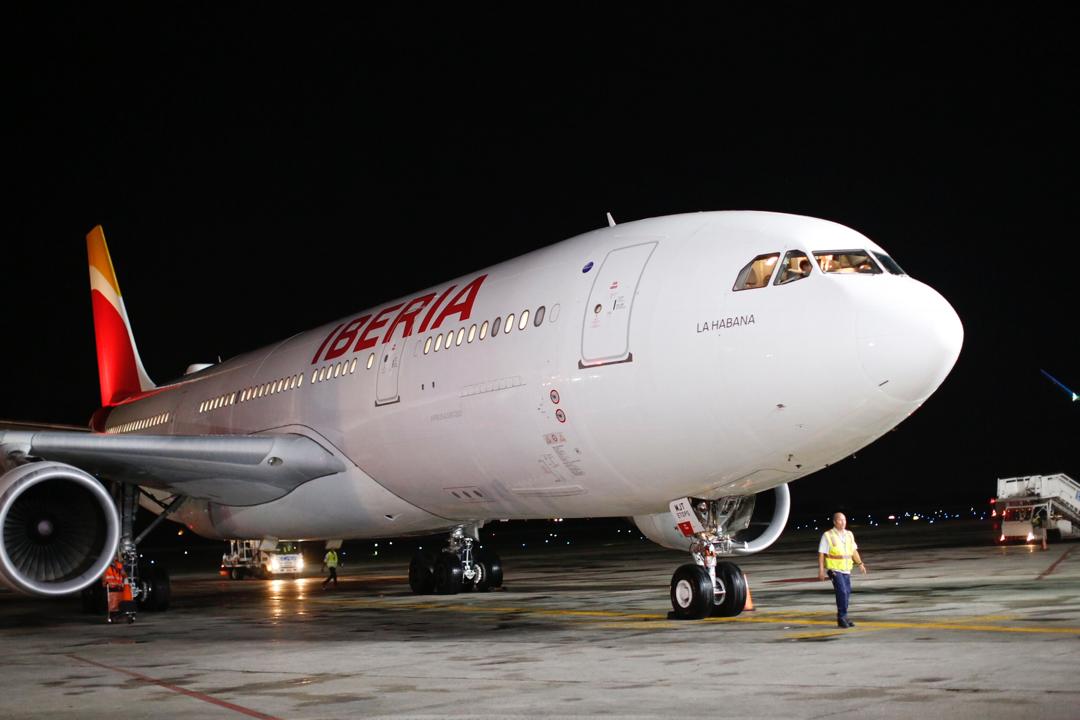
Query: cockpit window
{"type": "Point", "coordinates": [889, 264]}
{"type": "Point", "coordinates": [757, 272]}
{"type": "Point", "coordinates": [847, 262]}
{"type": "Point", "coordinates": [796, 266]}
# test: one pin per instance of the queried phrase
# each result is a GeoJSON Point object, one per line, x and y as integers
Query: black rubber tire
{"type": "Point", "coordinates": [691, 593]}
{"type": "Point", "coordinates": [159, 589]}
{"type": "Point", "coordinates": [731, 579]}
{"type": "Point", "coordinates": [422, 572]}
{"type": "Point", "coordinates": [448, 574]}
{"type": "Point", "coordinates": [492, 569]}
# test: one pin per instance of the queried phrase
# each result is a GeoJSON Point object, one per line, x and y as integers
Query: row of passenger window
{"type": "Point", "coordinates": [332, 371]}
{"type": "Point", "coordinates": [434, 343]}
{"type": "Point", "coordinates": [137, 425]}
{"type": "Point", "coordinates": [444, 341]}
{"type": "Point", "coordinates": [218, 402]}
{"type": "Point", "coordinates": [797, 265]}
{"type": "Point", "coordinates": [293, 382]}
{"type": "Point", "coordinates": [272, 388]}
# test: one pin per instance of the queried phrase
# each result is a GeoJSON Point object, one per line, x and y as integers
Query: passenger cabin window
{"type": "Point", "coordinates": [757, 272]}
{"type": "Point", "coordinates": [847, 262]}
{"type": "Point", "coordinates": [889, 264]}
{"type": "Point", "coordinates": [796, 266]}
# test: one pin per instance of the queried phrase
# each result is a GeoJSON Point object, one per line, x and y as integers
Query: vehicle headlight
{"type": "Point", "coordinates": [275, 563]}
{"type": "Point", "coordinates": [300, 562]}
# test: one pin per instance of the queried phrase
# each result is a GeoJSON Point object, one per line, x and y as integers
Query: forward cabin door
{"type": "Point", "coordinates": [605, 335]}
{"type": "Point", "coordinates": [386, 384]}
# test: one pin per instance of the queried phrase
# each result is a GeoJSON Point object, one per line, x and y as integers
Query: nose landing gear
{"type": "Point", "coordinates": [457, 567]}
{"type": "Point", "coordinates": [707, 587]}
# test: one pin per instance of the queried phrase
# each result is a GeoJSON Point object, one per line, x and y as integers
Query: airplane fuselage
{"type": "Point", "coordinates": [625, 371]}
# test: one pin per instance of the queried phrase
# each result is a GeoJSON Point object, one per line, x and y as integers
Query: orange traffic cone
{"type": "Point", "coordinates": [749, 598]}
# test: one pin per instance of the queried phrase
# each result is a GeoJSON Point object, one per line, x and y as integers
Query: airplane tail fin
{"type": "Point", "coordinates": [119, 367]}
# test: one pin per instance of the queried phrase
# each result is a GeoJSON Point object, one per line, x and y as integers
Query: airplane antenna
{"type": "Point", "coordinates": [1060, 384]}
{"type": "Point", "coordinates": [610, 220]}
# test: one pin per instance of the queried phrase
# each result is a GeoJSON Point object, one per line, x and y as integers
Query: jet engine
{"type": "Point", "coordinates": [661, 529]}
{"type": "Point", "coordinates": [59, 529]}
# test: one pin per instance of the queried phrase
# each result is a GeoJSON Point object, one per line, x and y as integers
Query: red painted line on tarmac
{"type": "Point", "coordinates": [177, 689]}
{"type": "Point", "coordinates": [1057, 562]}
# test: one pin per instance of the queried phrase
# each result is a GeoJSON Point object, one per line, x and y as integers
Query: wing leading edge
{"type": "Point", "coordinates": [235, 470]}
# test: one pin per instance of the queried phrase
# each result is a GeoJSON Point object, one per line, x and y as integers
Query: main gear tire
{"type": "Point", "coordinates": [422, 572]}
{"type": "Point", "coordinates": [492, 573]}
{"type": "Point", "coordinates": [691, 593]}
{"type": "Point", "coordinates": [730, 598]}
{"type": "Point", "coordinates": [157, 589]}
{"type": "Point", "coordinates": [449, 574]}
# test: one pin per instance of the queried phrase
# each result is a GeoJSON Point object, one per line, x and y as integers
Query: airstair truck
{"type": "Point", "coordinates": [1054, 498]}
{"type": "Point", "coordinates": [262, 558]}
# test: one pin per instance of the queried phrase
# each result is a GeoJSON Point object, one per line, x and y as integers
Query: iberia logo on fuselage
{"type": "Point", "coordinates": [347, 337]}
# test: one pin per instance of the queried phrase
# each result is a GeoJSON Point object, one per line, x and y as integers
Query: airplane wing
{"type": "Point", "coordinates": [228, 469]}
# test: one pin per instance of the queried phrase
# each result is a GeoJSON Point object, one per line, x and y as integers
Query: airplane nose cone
{"type": "Point", "coordinates": [909, 338]}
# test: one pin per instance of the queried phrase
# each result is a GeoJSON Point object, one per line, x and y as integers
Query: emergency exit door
{"type": "Point", "coordinates": [386, 383]}
{"type": "Point", "coordinates": [605, 335]}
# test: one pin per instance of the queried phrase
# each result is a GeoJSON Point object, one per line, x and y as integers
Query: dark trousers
{"type": "Point", "coordinates": [331, 576]}
{"type": "Point", "coordinates": [841, 583]}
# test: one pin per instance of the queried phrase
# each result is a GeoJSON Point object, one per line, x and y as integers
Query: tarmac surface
{"type": "Point", "coordinates": [948, 625]}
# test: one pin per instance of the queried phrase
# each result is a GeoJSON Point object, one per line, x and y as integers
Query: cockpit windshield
{"type": "Point", "coordinates": [889, 264]}
{"type": "Point", "coordinates": [796, 266]}
{"type": "Point", "coordinates": [847, 262]}
{"type": "Point", "coordinates": [756, 273]}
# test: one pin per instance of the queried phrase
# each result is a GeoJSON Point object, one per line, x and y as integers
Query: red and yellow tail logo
{"type": "Point", "coordinates": [119, 367]}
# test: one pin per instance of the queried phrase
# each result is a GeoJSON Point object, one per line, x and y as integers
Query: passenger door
{"type": "Point", "coordinates": [605, 335]}
{"type": "Point", "coordinates": [386, 384]}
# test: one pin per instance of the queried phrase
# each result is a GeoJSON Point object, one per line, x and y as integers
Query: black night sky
{"type": "Point", "coordinates": [260, 171]}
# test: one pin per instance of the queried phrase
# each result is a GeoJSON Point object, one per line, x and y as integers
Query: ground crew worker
{"type": "Point", "coordinates": [1038, 526]}
{"type": "Point", "coordinates": [117, 590]}
{"type": "Point", "coordinates": [836, 553]}
{"type": "Point", "coordinates": [331, 563]}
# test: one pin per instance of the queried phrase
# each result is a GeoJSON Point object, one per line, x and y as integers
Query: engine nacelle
{"type": "Point", "coordinates": [59, 529]}
{"type": "Point", "coordinates": [661, 529]}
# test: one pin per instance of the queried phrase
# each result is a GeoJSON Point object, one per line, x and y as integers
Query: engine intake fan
{"type": "Point", "coordinates": [59, 529]}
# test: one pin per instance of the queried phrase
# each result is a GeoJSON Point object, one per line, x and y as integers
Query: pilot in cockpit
{"type": "Point", "coordinates": [794, 270]}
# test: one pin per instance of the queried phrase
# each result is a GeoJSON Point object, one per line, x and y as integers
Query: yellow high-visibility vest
{"type": "Point", "coordinates": [841, 548]}
{"type": "Point", "coordinates": [331, 559]}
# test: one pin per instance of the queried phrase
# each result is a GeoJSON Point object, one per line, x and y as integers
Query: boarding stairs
{"type": "Point", "coordinates": [1059, 494]}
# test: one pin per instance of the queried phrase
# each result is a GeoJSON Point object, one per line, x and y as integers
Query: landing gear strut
{"type": "Point", "coordinates": [151, 587]}
{"type": "Point", "coordinates": [707, 587]}
{"type": "Point", "coordinates": [457, 567]}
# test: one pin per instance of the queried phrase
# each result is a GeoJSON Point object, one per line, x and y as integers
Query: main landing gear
{"type": "Point", "coordinates": [707, 587]}
{"type": "Point", "coordinates": [151, 587]}
{"type": "Point", "coordinates": [457, 567]}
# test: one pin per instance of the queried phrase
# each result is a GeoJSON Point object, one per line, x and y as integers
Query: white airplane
{"type": "Point", "coordinates": [668, 369]}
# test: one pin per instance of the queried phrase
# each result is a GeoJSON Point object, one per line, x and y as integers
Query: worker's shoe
{"type": "Point", "coordinates": [844, 623]}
